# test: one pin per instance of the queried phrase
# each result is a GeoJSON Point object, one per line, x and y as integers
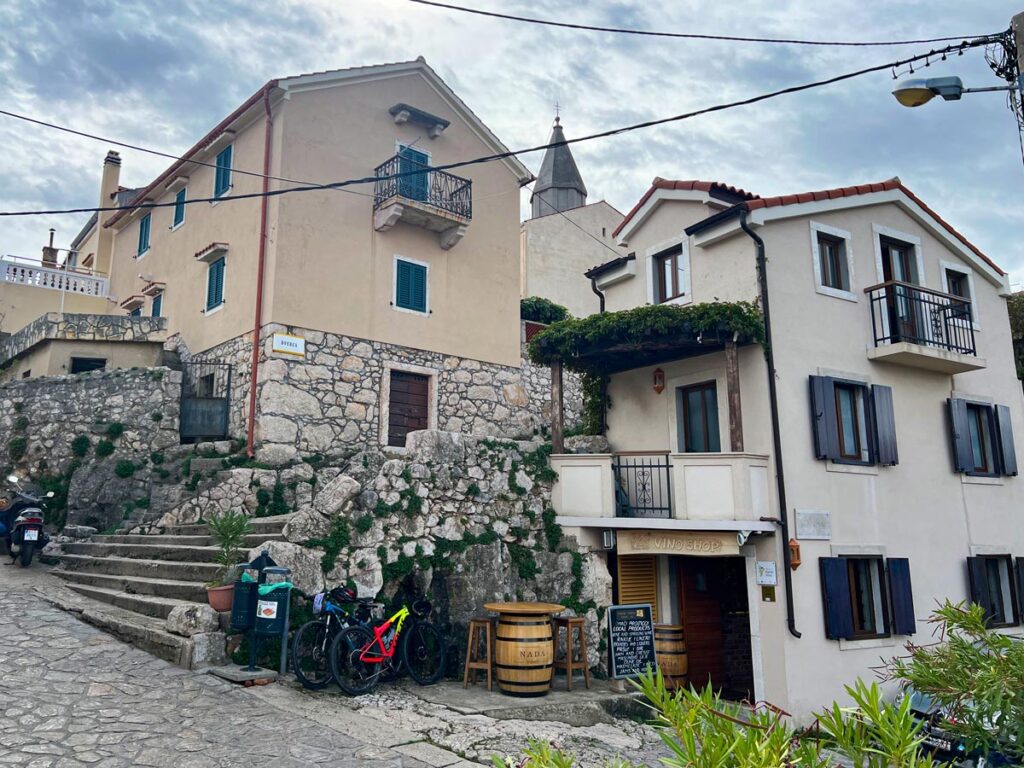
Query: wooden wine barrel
{"type": "Point", "coordinates": [670, 651]}
{"type": "Point", "coordinates": [524, 654]}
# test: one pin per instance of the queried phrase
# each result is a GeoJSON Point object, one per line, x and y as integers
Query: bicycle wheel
{"type": "Point", "coordinates": [424, 653]}
{"type": "Point", "coordinates": [353, 676]}
{"type": "Point", "coordinates": [311, 655]}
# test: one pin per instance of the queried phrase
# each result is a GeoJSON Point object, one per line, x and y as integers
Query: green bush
{"type": "Point", "coordinates": [104, 448]}
{"type": "Point", "coordinates": [538, 310]}
{"type": "Point", "coordinates": [21, 423]}
{"type": "Point", "coordinates": [156, 457]}
{"type": "Point", "coordinates": [125, 468]}
{"type": "Point", "coordinates": [16, 448]}
{"type": "Point", "coordinates": [80, 445]}
{"type": "Point", "coordinates": [115, 430]}
{"type": "Point", "coordinates": [229, 531]}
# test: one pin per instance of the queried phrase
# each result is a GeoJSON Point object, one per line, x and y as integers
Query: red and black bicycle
{"type": "Point", "coordinates": [362, 655]}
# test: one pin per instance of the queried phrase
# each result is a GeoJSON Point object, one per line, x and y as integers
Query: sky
{"type": "Point", "coordinates": [161, 75]}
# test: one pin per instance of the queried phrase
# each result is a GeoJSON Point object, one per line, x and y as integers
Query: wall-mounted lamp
{"type": "Point", "coordinates": [659, 380]}
{"type": "Point", "coordinates": [608, 539]}
{"type": "Point", "coordinates": [794, 554]}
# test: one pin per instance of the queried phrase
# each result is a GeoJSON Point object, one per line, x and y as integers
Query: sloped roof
{"type": "Point", "coordinates": [558, 169]}
{"type": "Point", "coordinates": [726, 192]}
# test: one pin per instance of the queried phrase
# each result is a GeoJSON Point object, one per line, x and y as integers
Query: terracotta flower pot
{"type": "Point", "coordinates": [220, 597]}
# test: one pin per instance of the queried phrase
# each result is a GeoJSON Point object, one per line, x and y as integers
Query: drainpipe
{"type": "Point", "coordinates": [600, 294]}
{"type": "Point", "coordinates": [773, 398]}
{"type": "Point", "coordinates": [603, 426]}
{"type": "Point", "coordinates": [258, 321]}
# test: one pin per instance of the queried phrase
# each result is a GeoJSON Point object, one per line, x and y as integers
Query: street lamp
{"type": "Point", "coordinates": [914, 93]}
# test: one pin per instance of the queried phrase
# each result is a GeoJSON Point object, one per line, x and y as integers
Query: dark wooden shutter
{"type": "Point", "coordinates": [1006, 450]}
{"type": "Point", "coordinates": [215, 284]}
{"type": "Point", "coordinates": [1020, 586]}
{"type": "Point", "coordinates": [823, 417]}
{"type": "Point", "coordinates": [637, 581]}
{"type": "Point", "coordinates": [403, 284]}
{"type": "Point", "coordinates": [979, 584]}
{"type": "Point", "coordinates": [408, 405]}
{"type": "Point", "coordinates": [885, 426]}
{"type": "Point", "coordinates": [418, 290]}
{"type": "Point", "coordinates": [963, 456]}
{"type": "Point", "coordinates": [835, 591]}
{"type": "Point", "coordinates": [902, 596]}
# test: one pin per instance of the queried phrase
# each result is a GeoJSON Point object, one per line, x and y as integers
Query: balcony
{"type": "Point", "coordinates": [695, 491]}
{"type": "Point", "coordinates": [922, 328]}
{"type": "Point", "coordinates": [408, 191]}
{"type": "Point", "coordinates": [84, 282]}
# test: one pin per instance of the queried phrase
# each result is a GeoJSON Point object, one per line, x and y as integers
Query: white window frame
{"type": "Point", "coordinates": [847, 239]}
{"type": "Point", "coordinates": [684, 258]}
{"type": "Point", "coordinates": [879, 231]}
{"type": "Point", "coordinates": [394, 286]}
{"type": "Point", "coordinates": [400, 145]}
{"type": "Point", "coordinates": [384, 407]}
{"type": "Point", "coordinates": [963, 269]}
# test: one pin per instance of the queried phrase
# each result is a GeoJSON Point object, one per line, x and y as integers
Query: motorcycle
{"type": "Point", "coordinates": [21, 522]}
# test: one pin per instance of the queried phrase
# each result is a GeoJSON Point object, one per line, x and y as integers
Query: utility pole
{"type": "Point", "coordinates": [1017, 27]}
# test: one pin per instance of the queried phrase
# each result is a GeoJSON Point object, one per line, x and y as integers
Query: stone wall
{"type": "Point", "coordinates": [82, 327]}
{"type": "Point", "coordinates": [136, 411]}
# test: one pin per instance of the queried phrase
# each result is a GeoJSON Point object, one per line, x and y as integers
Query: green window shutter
{"type": "Point", "coordinates": [410, 286]}
{"type": "Point", "coordinates": [179, 208]}
{"type": "Point", "coordinates": [215, 284]}
{"type": "Point", "coordinates": [222, 180]}
{"type": "Point", "coordinates": [158, 303]}
{"type": "Point", "coordinates": [143, 234]}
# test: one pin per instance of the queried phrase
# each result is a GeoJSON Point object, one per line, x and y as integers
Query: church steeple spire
{"type": "Point", "coordinates": [559, 185]}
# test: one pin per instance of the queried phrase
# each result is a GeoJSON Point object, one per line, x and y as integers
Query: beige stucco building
{"type": "Point", "coordinates": [885, 450]}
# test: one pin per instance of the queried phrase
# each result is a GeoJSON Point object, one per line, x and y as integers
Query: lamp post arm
{"type": "Point", "coordinates": [993, 88]}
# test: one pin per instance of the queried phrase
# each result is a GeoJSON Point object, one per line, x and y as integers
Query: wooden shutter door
{"type": "Point", "coordinates": [963, 456]}
{"type": "Point", "coordinates": [835, 592]}
{"type": "Point", "coordinates": [638, 581]}
{"type": "Point", "coordinates": [1006, 449]}
{"type": "Point", "coordinates": [901, 596]}
{"type": "Point", "coordinates": [979, 585]}
{"type": "Point", "coordinates": [885, 426]}
{"type": "Point", "coordinates": [408, 405]}
{"type": "Point", "coordinates": [1020, 586]}
{"type": "Point", "coordinates": [823, 417]}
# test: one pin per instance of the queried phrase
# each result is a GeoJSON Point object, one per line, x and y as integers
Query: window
{"type": "Point", "coordinates": [866, 597]}
{"type": "Point", "coordinates": [899, 262]}
{"type": "Point", "coordinates": [136, 312]}
{"type": "Point", "coordinates": [144, 223]}
{"type": "Point", "coordinates": [215, 284]}
{"type": "Point", "coordinates": [86, 364]}
{"type": "Point", "coordinates": [410, 286]}
{"type": "Point", "coordinates": [408, 405]}
{"type": "Point", "coordinates": [222, 176]}
{"type": "Point", "coordinates": [993, 587]}
{"type": "Point", "coordinates": [157, 306]}
{"type": "Point", "coordinates": [414, 181]}
{"type": "Point", "coordinates": [671, 274]}
{"type": "Point", "coordinates": [853, 423]}
{"type": "Point", "coordinates": [26, 374]}
{"type": "Point", "coordinates": [697, 415]}
{"type": "Point", "coordinates": [179, 209]}
{"type": "Point", "coordinates": [957, 282]}
{"type": "Point", "coordinates": [982, 436]}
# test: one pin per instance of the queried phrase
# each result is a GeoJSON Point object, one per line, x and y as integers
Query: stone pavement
{"type": "Point", "coordinates": [71, 695]}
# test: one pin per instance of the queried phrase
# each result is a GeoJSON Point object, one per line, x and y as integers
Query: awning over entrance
{"type": "Point", "coordinates": [667, 524]}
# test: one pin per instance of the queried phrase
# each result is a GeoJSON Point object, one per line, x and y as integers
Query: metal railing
{"type": "Point", "coordinates": [205, 400]}
{"type": "Point", "coordinates": [643, 485]}
{"type": "Point", "coordinates": [21, 271]}
{"type": "Point", "coordinates": [904, 312]}
{"type": "Point", "coordinates": [403, 177]}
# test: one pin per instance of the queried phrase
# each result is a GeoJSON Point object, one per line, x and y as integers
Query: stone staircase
{"type": "Point", "coordinates": [128, 584]}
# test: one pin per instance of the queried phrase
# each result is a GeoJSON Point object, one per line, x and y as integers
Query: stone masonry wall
{"type": "Point", "coordinates": [135, 410]}
{"type": "Point", "coordinates": [82, 327]}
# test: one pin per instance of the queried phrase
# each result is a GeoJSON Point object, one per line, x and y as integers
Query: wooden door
{"type": "Point", "coordinates": [702, 621]}
{"type": "Point", "coordinates": [637, 581]}
{"type": "Point", "coordinates": [408, 405]}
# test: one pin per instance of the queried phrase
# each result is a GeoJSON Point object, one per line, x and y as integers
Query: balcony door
{"type": "Point", "coordinates": [415, 185]}
{"type": "Point", "coordinates": [899, 264]}
{"type": "Point", "coordinates": [697, 418]}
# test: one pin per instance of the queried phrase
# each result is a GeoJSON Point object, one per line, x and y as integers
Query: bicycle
{"type": "Point", "coordinates": [334, 611]}
{"type": "Point", "coordinates": [360, 655]}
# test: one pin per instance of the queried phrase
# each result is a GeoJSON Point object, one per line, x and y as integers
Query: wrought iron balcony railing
{"type": "Point", "coordinates": [904, 312]}
{"type": "Point", "coordinates": [403, 177]}
{"type": "Point", "coordinates": [643, 485]}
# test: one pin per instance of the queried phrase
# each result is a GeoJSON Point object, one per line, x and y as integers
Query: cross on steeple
{"type": "Point", "coordinates": [558, 110]}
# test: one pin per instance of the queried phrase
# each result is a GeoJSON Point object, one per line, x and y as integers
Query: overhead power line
{"type": "Point", "coordinates": [688, 35]}
{"type": "Point", "coordinates": [513, 153]}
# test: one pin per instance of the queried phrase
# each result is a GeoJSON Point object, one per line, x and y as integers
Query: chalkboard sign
{"type": "Point", "coordinates": [631, 639]}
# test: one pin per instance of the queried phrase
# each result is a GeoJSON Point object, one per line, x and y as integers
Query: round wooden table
{"type": "Point", "coordinates": [524, 650]}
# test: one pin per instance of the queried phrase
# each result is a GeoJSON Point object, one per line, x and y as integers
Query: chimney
{"type": "Point", "coordinates": [109, 181]}
{"type": "Point", "coordinates": [109, 184]}
{"type": "Point", "coordinates": [49, 252]}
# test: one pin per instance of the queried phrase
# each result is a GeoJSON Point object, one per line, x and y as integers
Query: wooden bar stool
{"type": "Point", "coordinates": [481, 631]}
{"type": "Point", "coordinates": [574, 626]}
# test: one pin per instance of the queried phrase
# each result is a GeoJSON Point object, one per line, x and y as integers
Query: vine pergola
{"type": "Point", "coordinates": [604, 344]}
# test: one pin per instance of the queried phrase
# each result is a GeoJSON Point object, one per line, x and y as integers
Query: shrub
{"type": "Point", "coordinates": [16, 448]}
{"type": "Point", "coordinates": [114, 430]}
{"type": "Point", "coordinates": [80, 445]}
{"type": "Point", "coordinates": [125, 468]}
{"type": "Point", "coordinates": [538, 310]}
{"type": "Point", "coordinates": [229, 531]}
{"type": "Point", "coordinates": [104, 448]}
{"type": "Point", "coordinates": [21, 423]}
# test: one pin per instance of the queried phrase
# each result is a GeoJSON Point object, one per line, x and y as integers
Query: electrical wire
{"type": "Point", "coordinates": [687, 35]}
{"type": "Point", "coordinates": [514, 153]}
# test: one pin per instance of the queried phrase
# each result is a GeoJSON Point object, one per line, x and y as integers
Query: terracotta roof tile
{"type": "Point", "coordinates": [687, 184]}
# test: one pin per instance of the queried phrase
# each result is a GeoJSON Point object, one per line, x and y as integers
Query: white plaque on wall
{"type": "Point", "coordinates": [766, 573]}
{"type": "Point", "coordinates": [813, 524]}
{"type": "Point", "coordinates": [286, 344]}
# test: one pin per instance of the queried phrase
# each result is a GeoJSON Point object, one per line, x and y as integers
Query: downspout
{"type": "Point", "coordinates": [600, 294]}
{"type": "Point", "coordinates": [260, 270]}
{"type": "Point", "coordinates": [773, 398]}
{"type": "Point", "coordinates": [603, 426]}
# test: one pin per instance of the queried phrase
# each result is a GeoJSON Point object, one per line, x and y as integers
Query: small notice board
{"type": "Point", "coordinates": [630, 640]}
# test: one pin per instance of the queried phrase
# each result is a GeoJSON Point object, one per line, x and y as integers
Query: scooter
{"type": "Point", "coordinates": [21, 523]}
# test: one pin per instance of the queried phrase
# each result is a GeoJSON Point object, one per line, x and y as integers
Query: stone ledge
{"type": "Point", "coordinates": [55, 326]}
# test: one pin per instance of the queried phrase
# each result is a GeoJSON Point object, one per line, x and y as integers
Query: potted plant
{"type": "Point", "coordinates": [229, 530]}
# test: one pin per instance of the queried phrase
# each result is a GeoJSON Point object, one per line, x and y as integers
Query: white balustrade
{"type": "Point", "coordinates": [81, 282]}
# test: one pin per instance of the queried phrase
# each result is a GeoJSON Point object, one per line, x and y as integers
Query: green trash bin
{"type": "Point", "coordinates": [243, 602]}
{"type": "Point", "coordinates": [272, 602]}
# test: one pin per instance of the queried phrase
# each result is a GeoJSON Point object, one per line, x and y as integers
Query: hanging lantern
{"type": "Point", "coordinates": [794, 554]}
{"type": "Point", "coordinates": [659, 380]}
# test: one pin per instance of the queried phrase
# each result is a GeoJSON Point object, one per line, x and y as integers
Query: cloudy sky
{"type": "Point", "coordinates": [161, 75]}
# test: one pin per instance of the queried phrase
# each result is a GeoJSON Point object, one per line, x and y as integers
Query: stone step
{"type": "Point", "coordinates": [188, 540]}
{"type": "Point", "coordinates": [193, 591]}
{"type": "Point", "coordinates": [259, 525]}
{"type": "Point", "coordinates": [174, 552]}
{"type": "Point", "coordinates": [147, 605]}
{"type": "Point", "coordinates": [152, 569]}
